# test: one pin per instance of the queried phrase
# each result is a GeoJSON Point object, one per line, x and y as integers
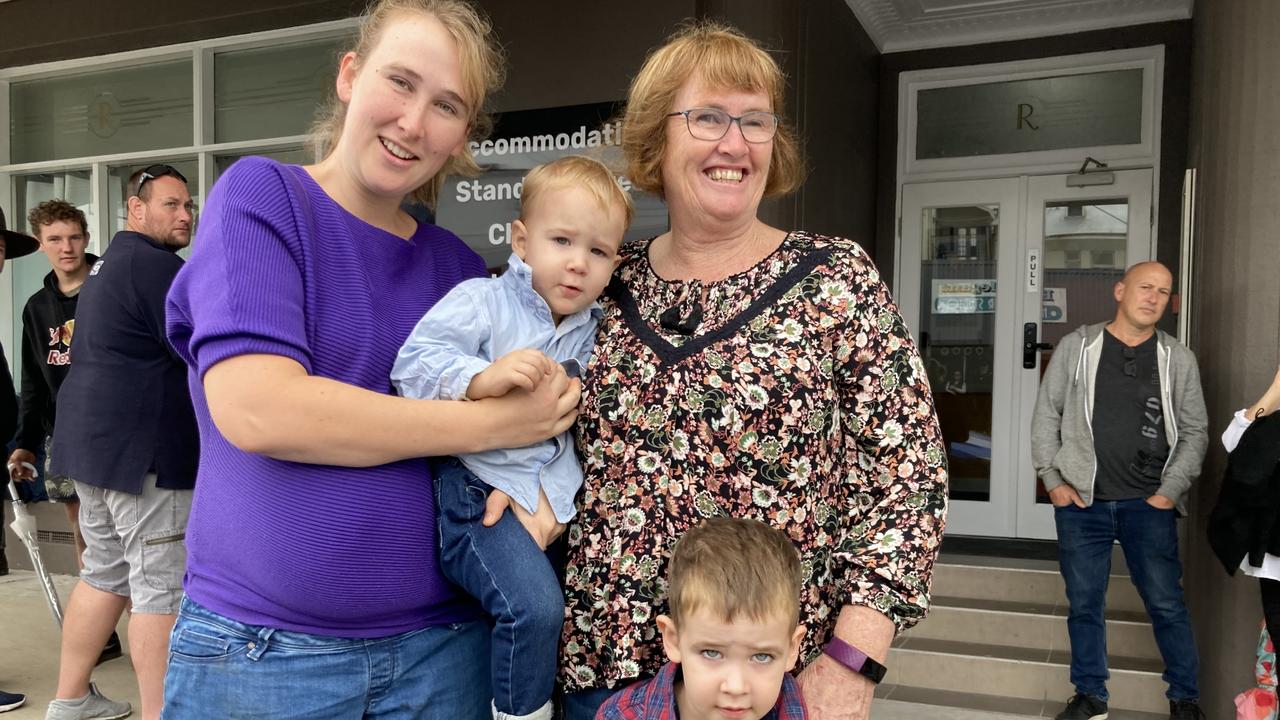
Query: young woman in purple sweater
{"type": "Point", "coordinates": [312, 589]}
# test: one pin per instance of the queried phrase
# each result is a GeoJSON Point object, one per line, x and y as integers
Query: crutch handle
{"type": "Point", "coordinates": [13, 467]}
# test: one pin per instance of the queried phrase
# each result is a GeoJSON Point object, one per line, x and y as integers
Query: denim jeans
{"type": "Point", "coordinates": [1149, 538]}
{"type": "Point", "coordinates": [503, 568]}
{"type": "Point", "coordinates": [222, 668]}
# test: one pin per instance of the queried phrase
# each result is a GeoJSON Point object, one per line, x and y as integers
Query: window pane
{"type": "Point", "coordinates": [118, 185]}
{"type": "Point", "coordinates": [958, 330]}
{"type": "Point", "coordinates": [272, 92]}
{"type": "Point", "coordinates": [1051, 113]}
{"type": "Point", "coordinates": [288, 156]}
{"type": "Point", "coordinates": [100, 113]}
{"type": "Point", "coordinates": [74, 186]}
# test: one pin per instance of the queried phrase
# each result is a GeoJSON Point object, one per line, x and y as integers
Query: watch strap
{"type": "Point", "coordinates": [854, 659]}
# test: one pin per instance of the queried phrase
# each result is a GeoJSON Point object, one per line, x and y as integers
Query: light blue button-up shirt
{"type": "Point", "coordinates": [478, 322]}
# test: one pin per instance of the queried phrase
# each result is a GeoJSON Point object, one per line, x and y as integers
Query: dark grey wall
{"type": "Point", "coordinates": [1236, 304]}
{"type": "Point", "coordinates": [832, 65]}
{"type": "Point", "coordinates": [561, 52]}
{"type": "Point", "coordinates": [37, 31]}
{"type": "Point", "coordinates": [1175, 36]}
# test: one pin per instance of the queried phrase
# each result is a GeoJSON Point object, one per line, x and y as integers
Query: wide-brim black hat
{"type": "Point", "coordinates": [15, 243]}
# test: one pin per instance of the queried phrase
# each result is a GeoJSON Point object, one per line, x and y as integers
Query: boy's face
{"type": "Point", "coordinates": [64, 243]}
{"type": "Point", "coordinates": [731, 670]}
{"type": "Point", "coordinates": [571, 242]}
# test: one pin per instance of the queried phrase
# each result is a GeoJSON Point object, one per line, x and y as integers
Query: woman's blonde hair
{"type": "Point", "coordinates": [483, 71]}
{"type": "Point", "coordinates": [723, 58]}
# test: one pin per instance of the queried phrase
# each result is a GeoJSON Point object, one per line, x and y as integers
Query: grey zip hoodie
{"type": "Point", "coordinates": [1062, 426]}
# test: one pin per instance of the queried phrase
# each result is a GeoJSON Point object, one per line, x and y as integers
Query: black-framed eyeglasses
{"type": "Point", "coordinates": [1130, 362]}
{"type": "Point", "coordinates": [757, 126]}
{"type": "Point", "coordinates": [158, 170]}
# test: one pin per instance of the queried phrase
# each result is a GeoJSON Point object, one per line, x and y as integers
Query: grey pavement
{"type": "Point", "coordinates": [29, 641]}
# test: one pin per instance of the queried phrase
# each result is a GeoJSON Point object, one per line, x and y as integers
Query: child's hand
{"type": "Point", "coordinates": [542, 525]}
{"type": "Point", "coordinates": [517, 369]}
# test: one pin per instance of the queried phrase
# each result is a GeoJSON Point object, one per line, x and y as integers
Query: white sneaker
{"type": "Point", "coordinates": [94, 706]}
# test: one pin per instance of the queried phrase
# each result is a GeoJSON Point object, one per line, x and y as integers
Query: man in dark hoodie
{"type": "Point", "coordinates": [48, 319]}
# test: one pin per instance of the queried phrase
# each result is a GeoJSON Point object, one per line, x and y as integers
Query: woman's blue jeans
{"type": "Point", "coordinates": [1149, 538]}
{"type": "Point", "coordinates": [222, 668]}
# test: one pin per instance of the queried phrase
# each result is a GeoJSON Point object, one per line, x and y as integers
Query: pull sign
{"type": "Point", "coordinates": [1033, 270]}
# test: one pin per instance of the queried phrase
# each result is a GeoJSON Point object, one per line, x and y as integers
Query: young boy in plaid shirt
{"type": "Point", "coordinates": [733, 634]}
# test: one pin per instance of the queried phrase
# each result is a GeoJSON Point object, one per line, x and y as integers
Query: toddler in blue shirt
{"type": "Point", "coordinates": [489, 336]}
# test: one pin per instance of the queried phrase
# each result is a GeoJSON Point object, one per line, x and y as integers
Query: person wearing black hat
{"type": "Point", "coordinates": [12, 245]}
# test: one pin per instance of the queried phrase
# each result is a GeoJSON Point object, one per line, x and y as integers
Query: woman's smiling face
{"type": "Point", "coordinates": [722, 180]}
{"type": "Point", "coordinates": [406, 113]}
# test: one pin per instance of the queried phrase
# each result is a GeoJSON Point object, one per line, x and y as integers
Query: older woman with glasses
{"type": "Point", "coordinates": [748, 371]}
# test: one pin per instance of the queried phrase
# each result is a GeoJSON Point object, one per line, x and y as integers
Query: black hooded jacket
{"type": "Point", "coordinates": [1246, 520]}
{"type": "Point", "coordinates": [47, 324]}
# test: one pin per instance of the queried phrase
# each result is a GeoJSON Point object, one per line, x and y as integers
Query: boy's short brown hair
{"type": "Point", "coordinates": [577, 171]}
{"type": "Point", "coordinates": [52, 211]}
{"type": "Point", "coordinates": [732, 567]}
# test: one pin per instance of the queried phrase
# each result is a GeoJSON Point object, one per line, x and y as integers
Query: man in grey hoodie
{"type": "Point", "coordinates": [1118, 436]}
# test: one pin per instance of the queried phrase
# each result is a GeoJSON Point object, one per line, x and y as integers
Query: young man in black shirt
{"type": "Point", "coordinates": [48, 321]}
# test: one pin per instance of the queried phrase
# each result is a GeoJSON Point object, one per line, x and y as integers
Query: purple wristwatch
{"type": "Point", "coordinates": [854, 659]}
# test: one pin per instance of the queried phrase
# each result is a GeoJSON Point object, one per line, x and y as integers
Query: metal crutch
{"type": "Point", "coordinates": [24, 526]}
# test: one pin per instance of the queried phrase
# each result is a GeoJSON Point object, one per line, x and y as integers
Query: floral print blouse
{"type": "Point", "coordinates": [791, 393]}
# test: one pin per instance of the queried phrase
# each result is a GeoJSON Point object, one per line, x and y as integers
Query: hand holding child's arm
{"type": "Point", "coordinates": [517, 369]}
{"type": "Point", "coordinates": [542, 525]}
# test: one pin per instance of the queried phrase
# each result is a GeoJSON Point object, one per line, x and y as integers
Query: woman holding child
{"type": "Point", "coordinates": [313, 586]}
{"type": "Point", "coordinates": [746, 371]}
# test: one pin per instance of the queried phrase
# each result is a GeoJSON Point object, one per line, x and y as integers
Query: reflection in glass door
{"type": "Point", "coordinates": [955, 262]}
{"type": "Point", "coordinates": [958, 286]}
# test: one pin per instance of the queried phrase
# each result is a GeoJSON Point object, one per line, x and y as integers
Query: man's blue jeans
{"type": "Point", "coordinates": [503, 568]}
{"type": "Point", "coordinates": [1149, 539]}
{"type": "Point", "coordinates": [223, 668]}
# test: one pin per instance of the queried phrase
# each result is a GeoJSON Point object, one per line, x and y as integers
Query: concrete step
{"type": "Point", "coordinates": [1028, 625]}
{"type": "Point", "coordinates": [1023, 585]}
{"type": "Point", "coordinates": [898, 702]}
{"type": "Point", "coordinates": [1020, 673]}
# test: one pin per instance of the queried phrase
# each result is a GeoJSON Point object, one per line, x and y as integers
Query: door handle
{"type": "Point", "coordinates": [1031, 346]}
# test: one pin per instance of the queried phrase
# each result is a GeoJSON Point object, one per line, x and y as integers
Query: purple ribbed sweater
{"type": "Point", "coordinates": [280, 268]}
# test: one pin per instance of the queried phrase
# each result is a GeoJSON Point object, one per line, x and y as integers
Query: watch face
{"type": "Point", "coordinates": [873, 670]}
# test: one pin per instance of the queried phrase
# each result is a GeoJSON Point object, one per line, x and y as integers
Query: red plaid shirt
{"type": "Point", "coordinates": [655, 699]}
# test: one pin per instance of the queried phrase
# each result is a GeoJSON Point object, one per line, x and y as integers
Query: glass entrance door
{"type": "Point", "coordinates": [958, 255]}
{"type": "Point", "coordinates": [1085, 237]}
{"type": "Point", "coordinates": [986, 266]}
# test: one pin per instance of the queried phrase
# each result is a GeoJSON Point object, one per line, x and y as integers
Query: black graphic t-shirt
{"type": "Point", "coordinates": [1128, 422]}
